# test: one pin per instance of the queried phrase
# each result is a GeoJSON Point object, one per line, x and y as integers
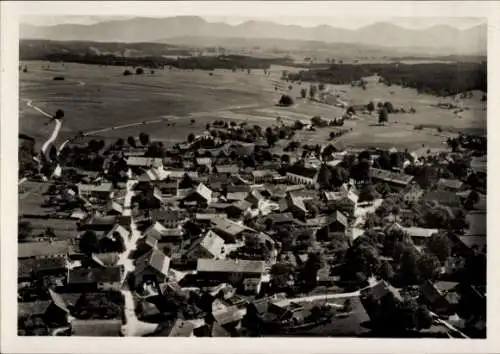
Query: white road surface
{"type": "Point", "coordinates": [132, 326]}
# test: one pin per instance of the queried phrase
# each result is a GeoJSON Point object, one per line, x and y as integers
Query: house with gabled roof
{"type": "Point", "coordinates": [442, 197]}
{"type": "Point", "coordinates": [202, 196]}
{"type": "Point", "coordinates": [228, 229]}
{"type": "Point", "coordinates": [169, 218]}
{"type": "Point", "coordinates": [254, 197]}
{"type": "Point", "coordinates": [163, 234]}
{"type": "Point", "coordinates": [419, 235]}
{"type": "Point", "coordinates": [118, 231]}
{"type": "Point", "coordinates": [296, 206]}
{"type": "Point", "coordinates": [208, 246]}
{"type": "Point", "coordinates": [236, 195]}
{"type": "Point", "coordinates": [101, 191]}
{"type": "Point", "coordinates": [156, 173]}
{"type": "Point", "coordinates": [226, 169]}
{"type": "Point", "coordinates": [179, 174]}
{"type": "Point", "coordinates": [394, 179]}
{"type": "Point", "coordinates": [302, 175]}
{"type": "Point", "coordinates": [238, 208]}
{"type": "Point", "coordinates": [103, 279]}
{"type": "Point", "coordinates": [452, 185]}
{"type": "Point", "coordinates": [435, 298]}
{"type": "Point", "coordinates": [263, 176]}
{"type": "Point", "coordinates": [144, 162]}
{"type": "Point", "coordinates": [153, 265]}
{"type": "Point", "coordinates": [229, 271]}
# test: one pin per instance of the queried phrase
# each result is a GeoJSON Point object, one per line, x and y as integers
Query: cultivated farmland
{"type": "Point", "coordinates": [100, 100]}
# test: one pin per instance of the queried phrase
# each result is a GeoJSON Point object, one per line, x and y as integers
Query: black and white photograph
{"type": "Point", "coordinates": [251, 175]}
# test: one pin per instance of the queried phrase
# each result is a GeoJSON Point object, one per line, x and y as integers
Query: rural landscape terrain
{"type": "Point", "coordinates": [312, 182]}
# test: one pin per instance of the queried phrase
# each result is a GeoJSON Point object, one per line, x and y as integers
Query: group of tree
{"type": "Point", "coordinates": [286, 100]}
{"type": "Point", "coordinates": [436, 78]}
{"type": "Point", "coordinates": [90, 244]}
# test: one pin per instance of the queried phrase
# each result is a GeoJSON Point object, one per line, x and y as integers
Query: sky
{"type": "Point", "coordinates": [342, 22]}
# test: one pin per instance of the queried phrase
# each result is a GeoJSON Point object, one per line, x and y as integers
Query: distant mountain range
{"type": "Point", "coordinates": [444, 39]}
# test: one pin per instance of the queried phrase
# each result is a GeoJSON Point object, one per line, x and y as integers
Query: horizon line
{"type": "Point", "coordinates": [93, 20]}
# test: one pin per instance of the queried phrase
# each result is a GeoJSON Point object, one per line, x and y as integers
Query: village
{"type": "Point", "coordinates": [243, 231]}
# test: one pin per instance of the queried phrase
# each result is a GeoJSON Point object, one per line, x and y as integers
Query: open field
{"type": "Point", "coordinates": [100, 98]}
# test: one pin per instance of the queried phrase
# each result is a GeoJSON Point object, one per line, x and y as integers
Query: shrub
{"type": "Point", "coordinates": [418, 127]}
{"type": "Point", "coordinates": [127, 73]}
{"type": "Point", "coordinates": [286, 100]}
{"type": "Point", "coordinates": [139, 71]}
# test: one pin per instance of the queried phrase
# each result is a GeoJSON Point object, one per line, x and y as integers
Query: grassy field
{"type": "Point", "coordinates": [95, 97]}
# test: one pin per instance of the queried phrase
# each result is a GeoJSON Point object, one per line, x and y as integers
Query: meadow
{"type": "Point", "coordinates": [100, 97]}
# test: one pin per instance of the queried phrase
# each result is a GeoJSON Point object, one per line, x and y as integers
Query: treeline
{"type": "Point", "coordinates": [441, 79]}
{"type": "Point", "coordinates": [148, 55]}
{"type": "Point", "coordinates": [199, 62]}
{"type": "Point", "coordinates": [35, 49]}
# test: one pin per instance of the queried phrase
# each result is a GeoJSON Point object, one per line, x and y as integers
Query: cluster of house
{"type": "Point", "coordinates": [190, 227]}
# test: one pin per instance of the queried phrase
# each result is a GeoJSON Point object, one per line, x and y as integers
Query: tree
{"type": "Point", "coordinates": [363, 257]}
{"type": "Point", "coordinates": [89, 243]}
{"type": "Point", "coordinates": [383, 115]}
{"type": "Point", "coordinates": [127, 73]}
{"type": "Point", "coordinates": [285, 159]}
{"type": "Point", "coordinates": [144, 138]}
{"type": "Point", "coordinates": [303, 92]}
{"type": "Point", "coordinates": [347, 305]}
{"type": "Point", "coordinates": [24, 229]}
{"type": "Point", "coordinates": [472, 199]}
{"type": "Point", "coordinates": [396, 159]}
{"type": "Point", "coordinates": [350, 110]}
{"type": "Point", "coordinates": [310, 270]}
{"type": "Point", "coordinates": [370, 107]}
{"type": "Point", "coordinates": [388, 105]}
{"type": "Point", "coordinates": [437, 217]}
{"type": "Point", "coordinates": [139, 71]}
{"type": "Point", "coordinates": [281, 274]}
{"type": "Point", "coordinates": [298, 125]}
{"type": "Point", "coordinates": [440, 246]}
{"type": "Point", "coordinates": [192, 121]}
{"type": "Point", "coordinates": [423, 318]}
{"type": "Point", "coordinates": [312, 91]}
{"type": "Point", "coordinates": [409, 266]}
{"type": "Point", "coordinates": [131, 141]}
{"type": "Point", "coordinates": [428, 267]}
{"type": "Point", "coordinates": [386, 271]}
{"type": "Point", "coordinates": [286, 100]}
{"type": "Point", "coordinates": [49, 232]}
{"type": "Point", "coordinates": [321, 86]}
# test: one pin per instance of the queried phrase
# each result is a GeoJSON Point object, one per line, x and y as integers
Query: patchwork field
{"type": "Point", "coordinates": [102, 101]}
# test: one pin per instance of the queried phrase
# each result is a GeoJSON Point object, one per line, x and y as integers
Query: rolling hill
{"type": "Point", "coordinates": [442, 40]}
